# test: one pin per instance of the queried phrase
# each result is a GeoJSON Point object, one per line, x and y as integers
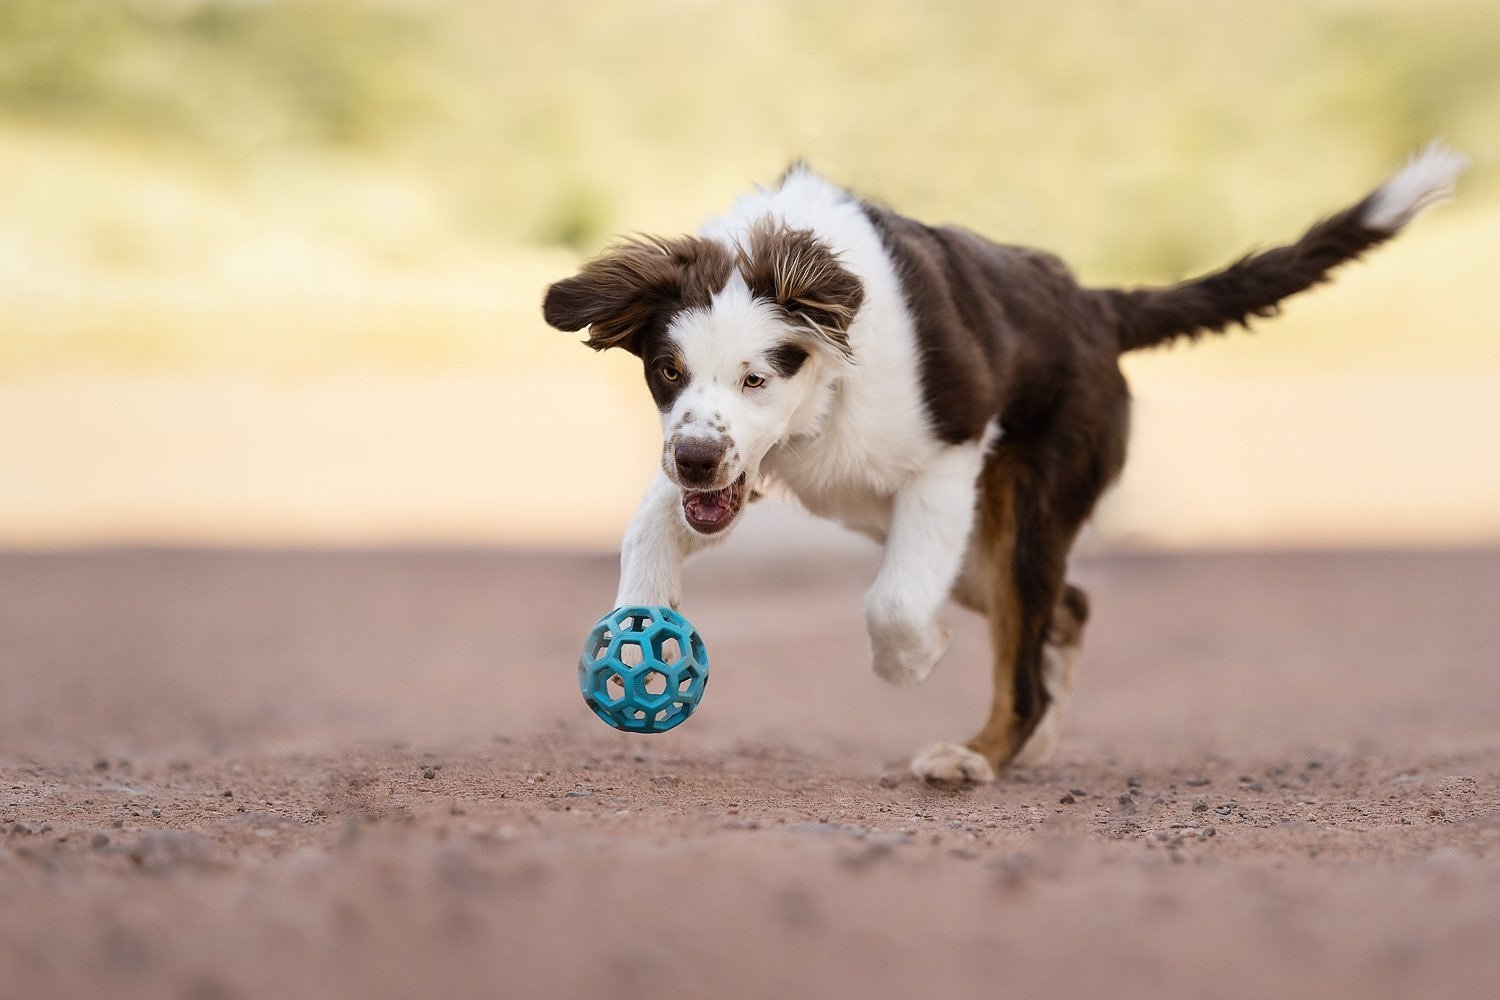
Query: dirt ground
{"type": "Point", "coordinates": [233, 774]}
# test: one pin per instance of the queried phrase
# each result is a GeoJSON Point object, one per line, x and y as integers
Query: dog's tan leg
{"type": "Point", "coordinates": [1038, 487]}
{"type": "Point", "coordinates": [989, 584]}
{"type": "Point", "coordinates": [1017, 572]}
{"type": "Point", "coordinates": [950, 763]}
{"type": "Point", "coordinates": [1018, 701]}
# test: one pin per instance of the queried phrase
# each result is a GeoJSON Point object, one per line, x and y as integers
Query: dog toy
{"type": "Point", "coordinates": [643, 669]}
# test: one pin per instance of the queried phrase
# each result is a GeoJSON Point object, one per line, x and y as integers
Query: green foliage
{"type": "Point", "coordinates": [215, 74]}
{"type": "Point", "coordinates": [553, 123]}
{"type": "Point", "coordinates": [259, 147]}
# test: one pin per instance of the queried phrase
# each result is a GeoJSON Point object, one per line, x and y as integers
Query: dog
{"type": "Point", "coordinates": [957, 400]}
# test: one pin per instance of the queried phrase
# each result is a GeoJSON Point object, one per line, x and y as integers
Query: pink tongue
{"type": "Point", "coordinates": [709, 506]}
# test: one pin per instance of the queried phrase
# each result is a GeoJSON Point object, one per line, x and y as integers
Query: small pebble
{"type": "Point", "coordinates": [1196, 782]}
{"type": "Point", "coordinates": [1067, 799]}
{"type": "Point", "coordinates": [429, 773]}
{"type": "Point", "coordinates": [99, 840]}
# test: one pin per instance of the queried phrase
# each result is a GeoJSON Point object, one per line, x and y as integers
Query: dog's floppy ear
{"type": "Point", "coordinates": [798, 271]}
{"type": "Point", "coordinates": [635, 283]}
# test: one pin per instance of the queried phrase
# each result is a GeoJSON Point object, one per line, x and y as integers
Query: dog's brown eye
{"type": "Point", "coordinates": [753, 381]}
{"type": "Point", "coordinates": [669, 373]}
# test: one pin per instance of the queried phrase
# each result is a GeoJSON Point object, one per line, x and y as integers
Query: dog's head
{"type": "Point", "coordinates": [738, 345]}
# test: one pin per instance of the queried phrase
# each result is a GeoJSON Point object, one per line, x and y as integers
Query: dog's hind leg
{"type": "Point", "coordinates": [1030, 512]}
{"type": "Point", "coordinates": [951, 763]}
{"type": "Point", "coordinates": [1023, 581]}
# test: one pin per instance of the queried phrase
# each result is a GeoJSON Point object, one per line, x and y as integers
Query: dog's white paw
{"type": "Point", "coordinates": [951, 764]}
{"type": "Point", "coordinates": [906, 655]}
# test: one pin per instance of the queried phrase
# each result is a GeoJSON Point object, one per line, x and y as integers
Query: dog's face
{"type": "Point", "coordinates": [738, 345]}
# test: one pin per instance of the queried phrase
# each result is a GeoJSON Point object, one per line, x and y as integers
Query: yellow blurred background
{"type": "Point", "coordinates": [270, 269]}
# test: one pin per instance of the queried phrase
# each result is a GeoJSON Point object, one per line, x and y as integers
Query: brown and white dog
{"type": "Point", "coordinates": [957, 400]}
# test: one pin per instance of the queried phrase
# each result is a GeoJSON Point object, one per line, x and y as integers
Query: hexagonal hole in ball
{"type": "Point", "coordinates": [600, 648]}
{"type": "Point", "coordinates": [630, 653]}
{"type": "Point", "coordinates": [613, 689]}
{"type": "Point", "coordinates": [667, 648]}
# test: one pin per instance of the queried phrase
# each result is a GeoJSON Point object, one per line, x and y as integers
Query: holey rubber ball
{"type": "Point", "coordinates": [643, 669]}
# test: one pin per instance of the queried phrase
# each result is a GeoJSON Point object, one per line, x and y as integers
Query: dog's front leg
{"type": "Point", "coordinates": [931, 517]}
{"type": "Point", "coordinates": [654, 548]}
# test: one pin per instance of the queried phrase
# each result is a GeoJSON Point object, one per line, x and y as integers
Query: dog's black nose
{"type": "Point", "coordinates": [697, 460]}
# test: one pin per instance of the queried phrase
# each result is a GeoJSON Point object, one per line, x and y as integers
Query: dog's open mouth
{"type": "Point", "coordinates": [710, 511]}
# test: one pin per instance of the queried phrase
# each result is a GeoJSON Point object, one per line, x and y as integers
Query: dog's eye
{"type": "Point", "coordinates": [669, 373]}
{"type": "Point", "coordinates": [754, 381]}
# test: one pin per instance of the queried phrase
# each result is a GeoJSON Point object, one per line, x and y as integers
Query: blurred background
{"type": "Point", "coordinates": [270, 269]}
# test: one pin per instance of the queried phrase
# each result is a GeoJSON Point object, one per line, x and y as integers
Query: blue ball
{"type": "Point", "coordinates": [643, 669]}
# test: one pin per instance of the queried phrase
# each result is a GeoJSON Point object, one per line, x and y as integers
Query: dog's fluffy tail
{"type": "Point", "coordinates": [1256, 284]}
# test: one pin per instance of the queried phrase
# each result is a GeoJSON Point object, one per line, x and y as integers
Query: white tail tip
{"type": "Point", "coordinates": [1426, 179]}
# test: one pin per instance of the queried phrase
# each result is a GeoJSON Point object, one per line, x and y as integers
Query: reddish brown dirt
{"type": "Point", "coordinates": [299, 774]}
